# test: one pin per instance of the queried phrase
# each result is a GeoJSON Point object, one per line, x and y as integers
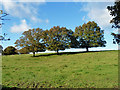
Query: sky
{"type": "Point", "coordinates": [28, 15]}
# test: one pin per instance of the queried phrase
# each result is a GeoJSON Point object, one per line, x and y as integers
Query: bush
{"type": "Point", "coordinates": [10, 50]}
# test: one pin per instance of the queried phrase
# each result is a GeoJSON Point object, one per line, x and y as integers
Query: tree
{"type": "Point", "coordinates": [116, 38]}
{"type": "Point", "coordinates": [32, 40]}
{"type": "Point", "coordinates": [10, 50]}
{"type": "Point", "coordinates": [2, 37]}
{"type": "Point", "coordinates": [90, 35]}
{"type": "Point", "coordinates": [2, 15]}
{"type": "Point", "coordinates": [57, 38]}
{"type": "Point", "coordinates": [115, 12]}
{"type": "Point", "coordinates": [24, 50]}
{"type": "Point", "coordinates": [1, 49]}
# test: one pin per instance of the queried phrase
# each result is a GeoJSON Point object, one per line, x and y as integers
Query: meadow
{"type": "Point", "coordinates": [67, 70]}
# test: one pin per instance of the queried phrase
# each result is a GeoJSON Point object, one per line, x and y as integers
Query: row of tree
{"type": "Point", "coordinates": [59, 38]}
{"type": "Point", "coordinates": [10, 50]}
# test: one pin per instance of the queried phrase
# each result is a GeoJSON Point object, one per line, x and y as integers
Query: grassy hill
{"type": "Point", "coordinates": [68, 70]}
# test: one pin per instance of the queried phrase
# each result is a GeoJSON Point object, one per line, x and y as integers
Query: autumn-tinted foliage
{"type": "Point", "coordinates": [24, 50]}
{"type": "Point", "coordinates": [57, 38]}
{"type": "Point", "coordinates": [32, 40]}
{"type": "Point", "coordinates": [10, 50]}
{"type": "Point", "coordinates": [90, 35]}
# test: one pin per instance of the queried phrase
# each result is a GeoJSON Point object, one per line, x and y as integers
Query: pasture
{"type": "Point", "coordinates": [68, 70]}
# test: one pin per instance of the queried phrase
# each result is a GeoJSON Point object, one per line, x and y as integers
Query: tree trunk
{"type": "Point", "coordinates": [57, 52]}
{"type": "Point", "coordinates": [87, 49]}
{"type": "Point", "coordinates": [33, 54]}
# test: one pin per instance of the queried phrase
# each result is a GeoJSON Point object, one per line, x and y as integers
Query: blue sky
{"type": "Point", "coordinates": [45, 15]}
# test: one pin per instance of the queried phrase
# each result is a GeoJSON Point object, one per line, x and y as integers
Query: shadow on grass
{"type": "Point", "coordinates": [69, 53]}
{"type": "Point", "coordinates": [8, 88]}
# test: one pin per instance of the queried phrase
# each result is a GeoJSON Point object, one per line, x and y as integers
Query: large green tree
{"type": "Point", "coordinates": [90, 35]}
{"type": "Point", "coordinates": [57, 38]}
{"type": "Point", "coordinates": [32, 40]}
{"type": "Point", "coordinates": [10, 50]}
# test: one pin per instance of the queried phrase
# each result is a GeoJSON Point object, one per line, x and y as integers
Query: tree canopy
{"type": "Point", "coordinates": [90, 35]}
{"type": "Point", "coordinates": [57, 38]}
{"type": "Point", "coordinates": [32, 40]}
{"type": "Point", "coordinates": [115, 12]}
{"type": "Point", "coordinates": [23, 50]}
{"type": "Point", "coordinates": [116, 38]}
{"type": "Point", "coordinates": [10, 50]}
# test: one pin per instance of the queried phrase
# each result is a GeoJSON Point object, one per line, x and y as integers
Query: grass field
{"type": "Point", "coordinates": [78, 70]}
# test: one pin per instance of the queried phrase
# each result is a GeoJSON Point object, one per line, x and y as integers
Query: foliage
{"type": "Point", "coordinates": [32, 40]}
{"type": "Point", "coordinates": [116, 38]}
{"type": "Point", "coordinates": [24, 50]}
{"type": "Point", "coordinates": [115, 12]}
{"type": "Point", "coordinates": [1, 49]}
{"type": "Point", "coordinates": [90, 35]}
{"type": "Point", "coordinates": [2, 15]}
{"type": "Point", "coordinates": [57, 38]}
{"type": "Point", "coordinates": [10, 50]}
{"type": "Point", "coordinates": [81, 70]}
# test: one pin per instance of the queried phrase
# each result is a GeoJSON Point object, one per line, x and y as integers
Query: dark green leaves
{"type": "Point", "coordinates": [115, 12]}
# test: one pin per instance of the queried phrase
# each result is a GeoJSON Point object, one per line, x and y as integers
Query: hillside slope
{"type": "Point", "coordinates": [80, 70]}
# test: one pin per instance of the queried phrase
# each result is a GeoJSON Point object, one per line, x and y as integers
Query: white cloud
{"type": "Point", "coordinates": [20, 28]}
{"type": "Point", "coordinates": [23, 9]}
{"type": "Point", "coordinates": [47, 21]}
{"type": "Point", "coordinates": [98, 12]}
{"type": "Point", "coordinates": [35, 19]}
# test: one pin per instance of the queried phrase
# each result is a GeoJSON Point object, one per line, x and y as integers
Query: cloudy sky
{"type": "Point", "coordinates": [45, 15]}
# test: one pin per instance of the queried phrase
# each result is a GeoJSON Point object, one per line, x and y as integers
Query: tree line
{"type": "Point", "coordinates": [60, 38]}
{"type": "Point", "coordinates": [86, 36]}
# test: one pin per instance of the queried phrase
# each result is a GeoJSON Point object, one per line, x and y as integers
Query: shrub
{"type": "Point", "coordinates": [10, 50]}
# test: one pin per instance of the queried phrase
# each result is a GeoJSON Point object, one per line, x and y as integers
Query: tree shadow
{"type": "Point", "coordinates": [69, 53]}
{"type": "Point", "coordinates": [8, 88]}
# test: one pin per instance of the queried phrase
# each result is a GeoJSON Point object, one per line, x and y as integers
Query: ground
{"type": "Point", "coordinates": [68, 70]}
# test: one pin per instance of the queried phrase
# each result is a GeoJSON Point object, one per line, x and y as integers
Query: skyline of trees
{"type": "Point", "coordinates": [60, 38]}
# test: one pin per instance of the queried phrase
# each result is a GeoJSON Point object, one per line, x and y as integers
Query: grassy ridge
{"type": "Point", "coordinates": [92, 69]}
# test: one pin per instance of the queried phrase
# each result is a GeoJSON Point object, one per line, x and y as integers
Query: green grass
{"type": "Point", "coordinates": [80, 70]}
